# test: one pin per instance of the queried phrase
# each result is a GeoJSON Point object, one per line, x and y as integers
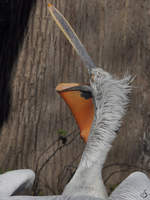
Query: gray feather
{"type": "Point", "coordinates": [110, 97]}
{"type": "Point", "coordinates": [15, 181]}
{"type": "Point", "coordinates": [135, 187]}
{"type": "Point", "coordinates": [49, 198]}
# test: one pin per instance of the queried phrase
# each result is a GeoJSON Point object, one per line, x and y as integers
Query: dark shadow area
{"type": "Point", "coordinates": [14, 15]}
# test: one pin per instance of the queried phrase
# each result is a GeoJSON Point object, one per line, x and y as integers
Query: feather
{"type": "Point", "coordinates": [110, 97]}
{"type": "Point", "coordinates": [15, 181]}
{"type": "Point", "coordinates": [135, 187]}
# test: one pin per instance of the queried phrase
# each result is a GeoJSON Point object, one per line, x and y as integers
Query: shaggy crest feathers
{"type": "Point", "coordinates": [110, 98]}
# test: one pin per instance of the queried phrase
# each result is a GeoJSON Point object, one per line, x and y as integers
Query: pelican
{"type": "Point", "coordinates": [109, 97]}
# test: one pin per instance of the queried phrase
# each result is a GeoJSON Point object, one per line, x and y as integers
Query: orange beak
{"type": "Point", "coordinates": [81, 108]}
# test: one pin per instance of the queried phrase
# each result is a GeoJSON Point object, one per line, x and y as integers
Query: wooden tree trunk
{"type": "Point", "coordinates": [116, 35]}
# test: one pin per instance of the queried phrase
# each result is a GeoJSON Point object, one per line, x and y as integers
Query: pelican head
{"type": "Point", "coordinates": [82, 99]}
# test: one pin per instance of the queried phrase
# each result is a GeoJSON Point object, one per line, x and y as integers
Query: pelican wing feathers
{"type": "Point", "coordinates": [59, 197]}
{"type": "Point", "coordinates": [135, 187]}
{"type": "Point", "coordinates": [15, 181]}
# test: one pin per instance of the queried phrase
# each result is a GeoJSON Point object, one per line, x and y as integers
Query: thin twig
{"type": "Point", "coordinates": [49, 147]}
{"type": "Point", "coordinates": [58, 149]}
{"type": "Point", "coordinates": [125, 165]}
{"type": "Point", "coordinates": [115, 172]}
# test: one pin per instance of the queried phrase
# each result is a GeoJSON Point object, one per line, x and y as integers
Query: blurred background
{"type": "Point", "coordinates": [37, 130]}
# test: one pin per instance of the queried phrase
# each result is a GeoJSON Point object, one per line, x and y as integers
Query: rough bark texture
{"type": "Point", "coordinates": [116, 35]}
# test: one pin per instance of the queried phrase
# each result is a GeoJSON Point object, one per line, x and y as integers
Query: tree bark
{"type": "Point", "coordinates": [116, 35]}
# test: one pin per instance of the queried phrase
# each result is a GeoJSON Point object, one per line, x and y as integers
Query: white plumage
{"type": "Point", "coordinates": [15, 181]}
{"type": "Point", "coordinates": [135, 187]}
{"type": "Point", "coordinates": [110, 97]}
